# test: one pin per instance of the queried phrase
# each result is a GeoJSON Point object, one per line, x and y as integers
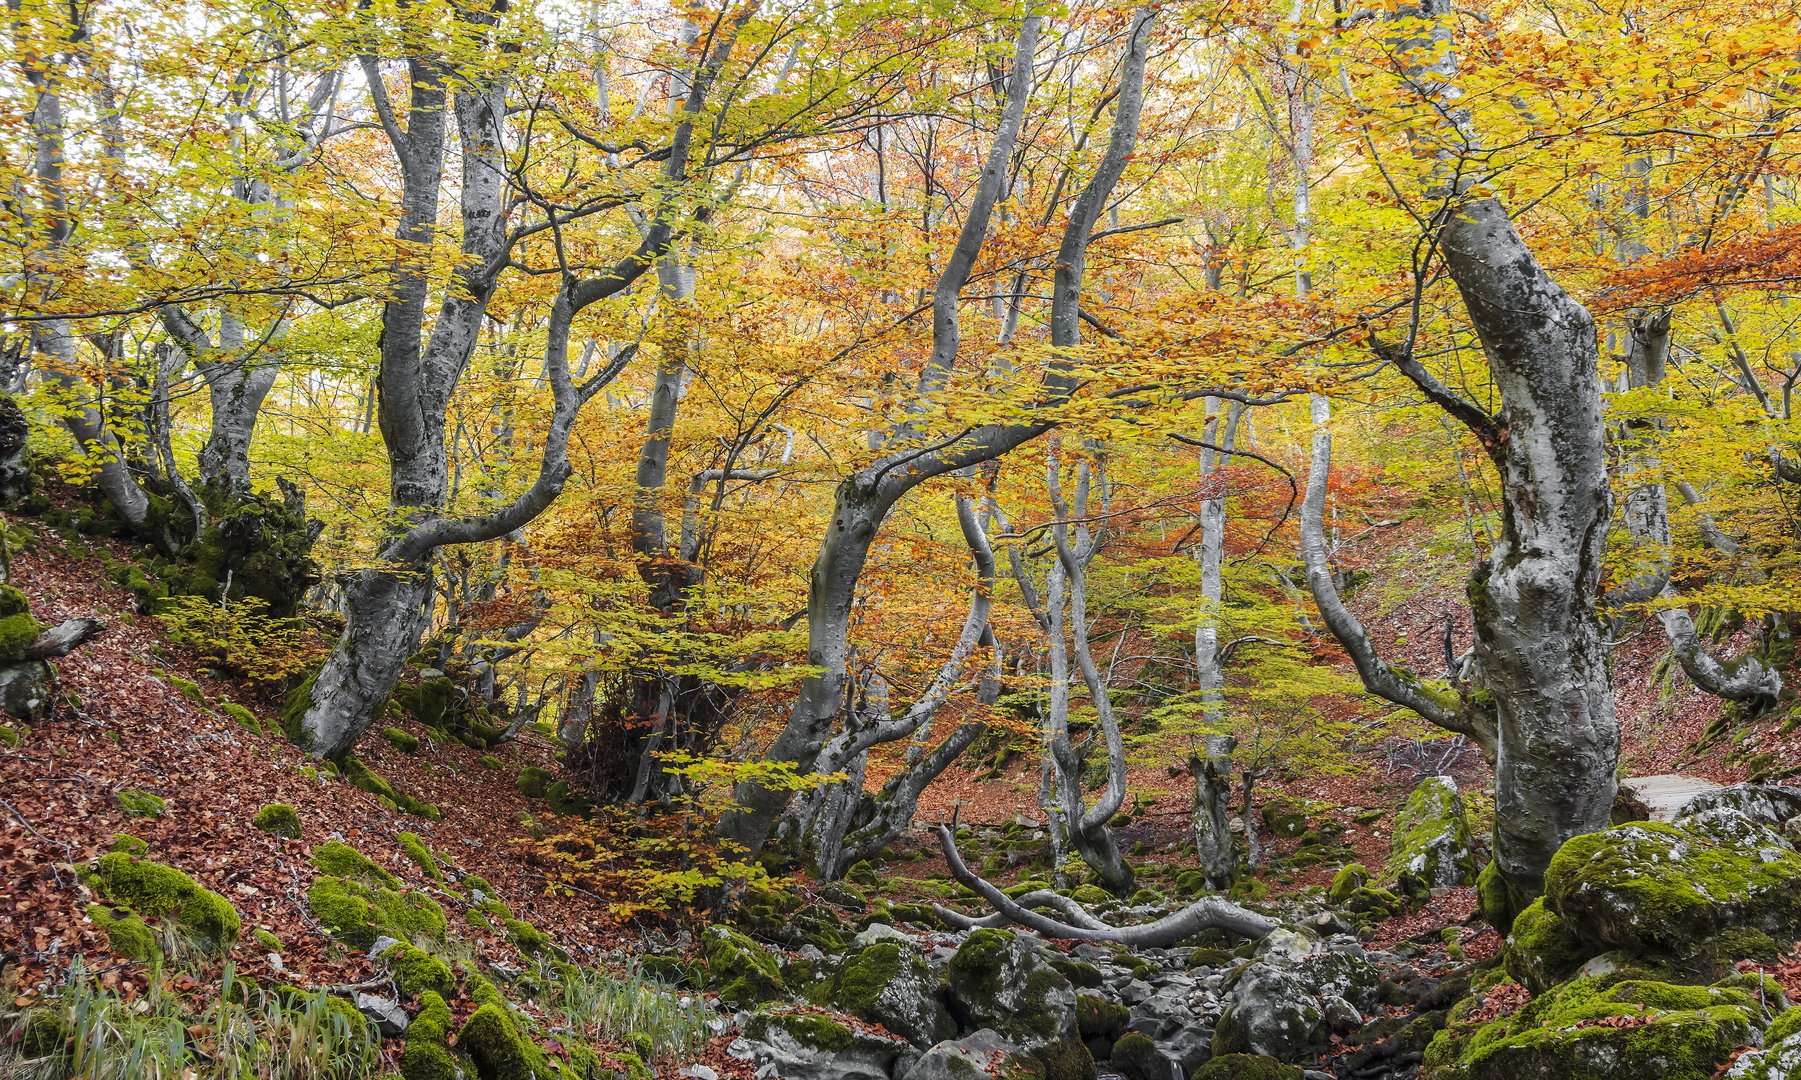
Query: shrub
{"type": "Point", "coordinates": [241, 638]}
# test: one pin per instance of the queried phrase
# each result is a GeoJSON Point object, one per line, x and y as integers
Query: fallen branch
{"type": "Point", "coordinates": [63, 639]}
{"type": "Point", "coordinates": [1206, 914]}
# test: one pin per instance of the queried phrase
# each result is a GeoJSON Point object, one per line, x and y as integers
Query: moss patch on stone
{"type": "Point", "coordinates": [358, 913]}
{"type": "Point", "coordinates": [400, 739]}
{"type": "Point", "coordinates": [426, 1056]}
{"type": "Point", "coordinates": [417, 972]}
{"type": "Point", "coordinates": [741, 972]}
{"type": "Point", "coordinates": [158, 891]}
{"type": "Point", "coordinates": [278, 819]}
{"type": "Point", "coordinates": [1542, 951]}
{"type": "Point", "coordinates": [341, 860]}
{"type": "Point", "coordinates": [126, 934]}
{"type": "Point", "coordinates": [136, 802]}
{"type": "Point", "coordinates": [414, 847]}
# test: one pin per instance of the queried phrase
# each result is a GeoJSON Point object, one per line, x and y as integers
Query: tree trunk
{"type": "Point", "coordinates": [385, 613]}
{"type": "Point", "coordinates": [1214, 848]}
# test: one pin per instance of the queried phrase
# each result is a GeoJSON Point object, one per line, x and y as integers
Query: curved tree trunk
{"type": "Point", "coordinates": [864, 499]}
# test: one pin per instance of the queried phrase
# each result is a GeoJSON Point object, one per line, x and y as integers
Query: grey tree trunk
{"type": "Point", "coordinates": [864, 499]}
{"type": "Point", "coordinates": [1214, 848]}
{"type": "Point", "coordinates": [423, 360]}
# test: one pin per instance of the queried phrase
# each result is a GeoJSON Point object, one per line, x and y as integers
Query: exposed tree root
{"type": "Point", "coordinates": [1206, 914]}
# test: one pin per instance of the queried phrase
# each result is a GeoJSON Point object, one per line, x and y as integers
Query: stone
{"type": "Point", "coordinates": [878, 931]}
{"type": "Point", "coordinates": [999, 981]}
{"type": "Point", "coordinates": [1431, 846]}
{"type": "Point", "coordinates": [386, 1013]}
{"type": "Point", "coordinates": [808, 1046]}
{"type": "Point", "coordinates": [1285, 1003]}
{"type": "Point", "coordinates": [887, 982]}
{"type": "Point", "coordinates": [1600, 1028]}
{"type": "Point", "coordinates": [1654, 887]}
{"type": "Point", "coordinates": [1766, 804]}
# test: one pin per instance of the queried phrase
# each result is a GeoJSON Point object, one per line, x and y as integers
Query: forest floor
{"type": "Point", "coordinates": [137, 711]}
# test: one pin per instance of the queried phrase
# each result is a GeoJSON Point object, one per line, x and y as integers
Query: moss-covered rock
{"type": "Point", "coordinates": [888, 983]}
{"type": "Point", "coordinates": [525, 937]}
{"type": "Point", "coordinates": [532, 781]}
{"type": "Point", "coordinates": [1655, 887]}
{"type": "Point", "coordinates": [1431, 844]}
{"type": "Point", "coordinates": [278, 819]}
{"type": "Point", "coordinates": [1246, 1067]}
{"type": "Point", "coordinates": [427, 1057]}
{"type": "Point", "coordinates": [242, 716]}
{"type": "Point", "coordinates": [341, 860]}
{"type": "Point", "coordinates": [163, 892]}
{"type": "Point", "coordinates": [1136, 1057]}
{"type": "Point", "coordinates": [500, 1050]}
{"type": "Point", "coordinates": [129, 844]}
{"type": "Point", "coordinates": [135, 802]}
{"type": "Point", "coordinates": [366, 779]}
{"type": "Point", "coordinates": [400, 739]}
{"type": "Point", "coordinates": [414, 847]}
{"type": "Point", "coordinates": [1604, 1029]}
{"type": "Point", "coordinates": [1350, 878]}
{"type": "Point", "coordinates": [1493, 900]}
{"type": "Point", "coordinates": [126, 934]}
{"type": "Point", "coordinates": [999, 981]}
{"type": "Point", "coordinates": [358, 913]}
{"type": "Point", "coordinates": [417, 972]}
{"type": "Point", "coordinates": [1542, 951]}
{"type": "Point", "coordinates": [743, 973]}
{"type": "Point", "coordinates": [1099, 1018]}
{"type": "Point", "coordinates": [489, 761]}
{"type": "Point", "coordinates": [17, 632]}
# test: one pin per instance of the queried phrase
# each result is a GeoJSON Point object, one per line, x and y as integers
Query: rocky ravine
{"type": "Point", "coordinates": [1641, 961]}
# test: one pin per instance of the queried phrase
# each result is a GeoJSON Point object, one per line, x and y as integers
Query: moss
{"type": "Point", "coordinates": [43, 1033]}
{"type": "Point", "coordinates": [159, 891]}
{"type": "Point", "coordinates": [565, 801]}
{"type": "Point", "coordinates": [1494, 900]}
{"type": "Point", "coordinates": [1096, 1017]}
{"type": "Point", "coordinates": [1542, 951]}
{"type": "Point", "coordinates": [741, 972]}
{"type": "Point", "coordinates": [129, 844]}
{"type": "Point", "coordinates": [1245, 1067]}
{"type": "Point", "coordinates": [480, 921]}
{"type": "Point", "coordinates": [414, 847]}
{"type": "Point", "coordinates": [135, 802]}
{"type": "Point", "coordinates": [1350, 878]}
{"type": "Point", "coordinates": [489, 761]}
{"type": "Point", "coordinates": [266, 939]}
{"type": "Point", "coordinates": [242, 715]}
{"type": "Point", "coordinates": [9, 735]}
{"type": "Point", "coordinates": [1136, 1057]}
{"type": "Point", "coordinates": [279, 819]}
{"type": "Point", "coordinates": [17, 632]}
{"type": "Point", "coordinates": [295, 708]}
{"type": "Point", "coordinates": [526, 937]}
{"type": "Point", "coordinates": [1431, 840]}
{"type": "Point", "coordinates": [366, 779]}
{"type": "Point", "coordinates": [498, 1048]}
{"type": "Point", "coordinates": [807, 1029]}
{"type": "Point", "coordinates": [126, 934]}
{"type": "Point", "coordinates": [426, 1056]}
{"type": "Point", "coordinates": [1789, 1023]}
{"type": "Point", "coordinates": [358, 913]}
{"type": "Point", "coordinates": [341, 860]}
{"type": "Point", "coordinates": [532, 781]}
{"type": "Point", "coordinates": [400, 739]}
{"type": "Point", "coordinates": [417, 972]}
{"type": "Point", "coordinates": [1603, 1027]}
{"type": "Point", "coordinates": [12, 598]}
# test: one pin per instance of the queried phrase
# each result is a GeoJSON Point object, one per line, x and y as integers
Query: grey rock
{"type": "Point", "coordinates": [386, 1013]}
{"type": "Point", "coordinates": [382, 945]}
{"type": "Point", "coordinates": [875, 932]}
{"type": "Point", "coordinates": [1285, 1003]}
{"type": "Point", "coordinates": [786, 1046]}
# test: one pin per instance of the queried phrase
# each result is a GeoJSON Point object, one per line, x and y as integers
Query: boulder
{"type": "Point", "coordinates": [1432, 847]}
{"type": "Point", "coordinates": [1293, 997]}
{"type": "Point", "coordinates": [1766, 804]}
{"type": "Point", "coordinates": [1781, 1054]}
{"type": "Point", "coordinates": [807, 1046]}
{"type": "Point", "coordinates": [983, 1054]}
{"type": "Point", "coordinates": [1652, 887]}
{"type": "Point", "coordinates": [742, 972]}
{"type": "Point", "coordinates": [1603, 1029]}
{"type": "Point", "coordinates": [1136, 1057]}
{"type": "Point", "coordinates": [998, 980]}
{"type": "Point", "coordinates": [887, 982]}
{"type": "Point", "coordinates": [1245, 1067]}
{"type": "Point", "coordinates": [1541, 950]}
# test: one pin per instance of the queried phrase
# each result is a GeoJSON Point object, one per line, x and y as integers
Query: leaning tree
{"type": "Point", "coordinates": [1535, 692]}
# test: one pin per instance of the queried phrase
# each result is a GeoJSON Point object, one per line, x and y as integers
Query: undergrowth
{"type": "Point", "coordinates": [244, 1032]}
{"type": "Point", "coordinates": [632, 1007]}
